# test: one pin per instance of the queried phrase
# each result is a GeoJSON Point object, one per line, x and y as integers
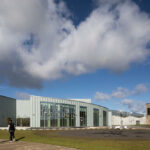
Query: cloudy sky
{"type": "Point", "coordinates": [98, 49]}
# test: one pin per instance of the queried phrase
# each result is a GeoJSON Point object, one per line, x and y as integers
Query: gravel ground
{"type": "Point", "coordinates": [6, 145]}
{"type": "Point", "coordinates": [109, 134]}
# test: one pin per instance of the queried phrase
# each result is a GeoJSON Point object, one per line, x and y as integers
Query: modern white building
{"type": "Point", "coordinates": [126, 118]}
{"type": "Point", "coordinates": [49, 112]}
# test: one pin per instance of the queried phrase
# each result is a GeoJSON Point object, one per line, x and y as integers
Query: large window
{"type": "Point", "coordinates": [148, 111]}
{"type": "Point", "coordinates": [72, 116]}
{"type": "Point", "coordinates": [57, 115]}
{"type": "Point", "coordinates": [83, 116]}
{"type": "Point", "coordinates": [96, 117]}
{"type": "Point", "coordinates": [46, 115]}
{"type": "Point", "coordinates": [67, 115]}
{"type": "Point", "coordinates": [53, 115]}
{"type": "Point", "coordinates": [64, 115]}
{"type": "Point", "coordinates": [24, 122]}
{"type": "Point", "coordinates": [104, 118]}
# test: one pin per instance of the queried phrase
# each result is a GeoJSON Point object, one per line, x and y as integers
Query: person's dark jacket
{"type": "Point", "coordinates": [11, 127]}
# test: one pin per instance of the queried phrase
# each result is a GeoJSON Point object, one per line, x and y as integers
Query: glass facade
{"type": "Point", "coordinates": [104, 118]}
{"type": "Point", "coordinates": [23, 122]}
{"type": "Point", "coordinates": [96, 117]}
{"type": "Point", "coordinates": [57, 115]}
{"type": "Point", "coordinates": [64, 115]}
{"type": "Point", "coordinates": [67, 115]}
{"type": "Point", "coordinates": [83, 116]}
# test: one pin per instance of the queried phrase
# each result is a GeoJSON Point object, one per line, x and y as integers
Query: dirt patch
{"type": "Point", "coordinates": [6, 145]}
{"type": "Point", "coordinates": [108, 134]}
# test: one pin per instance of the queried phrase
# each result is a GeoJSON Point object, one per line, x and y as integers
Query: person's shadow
{"type": "Point", "coordinates": [18, 139]}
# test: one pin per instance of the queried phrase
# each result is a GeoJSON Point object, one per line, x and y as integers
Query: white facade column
{"type": "Point", "coordinates": [110, 119]}
{"type": "Point", "coordinates": [77, 115]}
{"type": "Point", "coordinates": [101, 117]}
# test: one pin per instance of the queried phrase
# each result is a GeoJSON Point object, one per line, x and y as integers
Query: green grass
{"type": "Point", "coordinates": [52, 137]}
{"type": "Point", "coordinates": [144, 125]}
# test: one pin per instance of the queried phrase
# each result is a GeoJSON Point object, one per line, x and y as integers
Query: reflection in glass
{"type": "Point", "coordinates": [96, 117]}
{"type": "Point", "coordinates": [83, 116]}
{"type": "Point", "coordinates": [57, 115]}
{"type": "Point", "coordinates": [104, 118]}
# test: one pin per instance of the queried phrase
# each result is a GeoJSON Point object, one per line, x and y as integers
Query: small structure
{"type": "Point", "coordinates": [7, 110]}
{"type": "Point", "coordinates": [148, 113]}
{"type": "Point", "coordinates": [127, 118]}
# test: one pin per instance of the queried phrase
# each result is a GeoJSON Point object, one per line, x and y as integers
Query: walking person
{"type": "Point", "coordinates": [11, 128]}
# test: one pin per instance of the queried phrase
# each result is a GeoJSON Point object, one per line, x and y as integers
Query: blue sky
{"type": "Point", "coordinates": [77, 49]}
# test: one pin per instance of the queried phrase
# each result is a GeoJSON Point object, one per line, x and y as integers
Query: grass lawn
{"type": "Point", "coordinates": [52, 137]}
{"type": "Point", "coordinates": [144, 125]}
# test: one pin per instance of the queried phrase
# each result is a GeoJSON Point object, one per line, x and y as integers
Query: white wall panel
{"type": "Point", "coordinates": [35, 112]}
{"type": "Point", "coordinates": [130, 120]}
{"type": "Point", "coordinates": [23, 108]}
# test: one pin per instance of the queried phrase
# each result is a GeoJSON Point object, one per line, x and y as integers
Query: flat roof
{"type": "Point", "coordinates": [6, 97]}
{"type": "Point", "coordinates": [72, 100]}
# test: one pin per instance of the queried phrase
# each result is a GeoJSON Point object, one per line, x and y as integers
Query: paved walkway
{"type": "Point", "coordinates": [6, 145]}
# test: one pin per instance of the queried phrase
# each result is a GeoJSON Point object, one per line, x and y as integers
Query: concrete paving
{"type": "Point", "coordinates": [19, 145]}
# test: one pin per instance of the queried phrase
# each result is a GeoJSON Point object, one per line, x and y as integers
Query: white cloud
{"type": "Point", "coordinates": [40, 23]}
{"type": "Point", "coordinates": [140, 88]}
{"type": "Point", "coordinates": [108, 2]}
{"type": "Point", "coordinates": [121, 93]}
{"type": "Point", "coordinates": [109, 38]}
{"type": "Point", "coordinates": [101, 96]}
{"type": "Point", "coordinates": [134, 106]}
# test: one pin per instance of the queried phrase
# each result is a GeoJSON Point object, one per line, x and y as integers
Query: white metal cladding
{"type": "Point", "coordinates": [110, 119]}
{"type": "Point", "coordinates": [82, 100]}
{"type": "Point", "coordinates": [23, 108]}
{"type": "Point", "coordinates": [35, 110]}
